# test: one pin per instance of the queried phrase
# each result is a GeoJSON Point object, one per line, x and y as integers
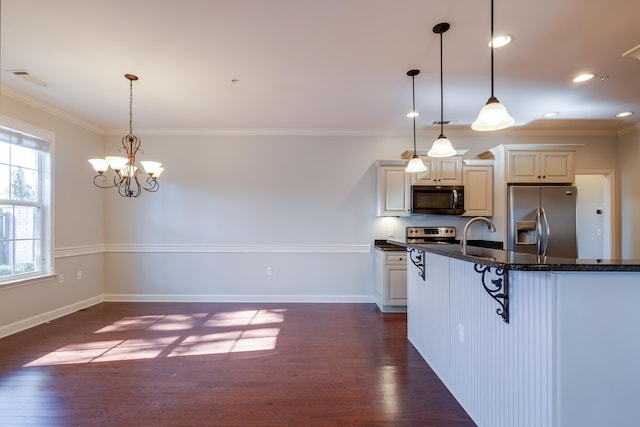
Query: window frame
{"type": "Point", "coordinates": [44, 203]}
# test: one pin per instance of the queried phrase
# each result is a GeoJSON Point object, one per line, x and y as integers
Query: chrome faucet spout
{"type": "Point", "coordinates": [490, 226]}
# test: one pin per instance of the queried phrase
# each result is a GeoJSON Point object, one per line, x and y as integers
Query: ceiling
{"type": "Point", "coordinates": [320, 65]}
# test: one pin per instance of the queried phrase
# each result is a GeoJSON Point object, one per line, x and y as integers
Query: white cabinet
{"type": "Point", "coordinates": [552, 167]}
{"type": "Point", "coordinates": [391, 280]}
{"type": "Point", "coordinates": [444, 171]}
{"type": "Point", "coordinates": [394, 189]}
{"type": "Point", "coordinates": [478, 190]}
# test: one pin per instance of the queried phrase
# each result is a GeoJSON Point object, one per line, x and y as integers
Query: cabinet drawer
{"type": "Point", "coordinates": [396, 258]}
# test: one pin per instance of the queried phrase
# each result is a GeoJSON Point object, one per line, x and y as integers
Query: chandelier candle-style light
{"type": "Point", "coordinates": [127, 174]}
{"type": "Point", "coordinates": [493, 116]}
{"type": "Point", "coordinates": [415, 164]}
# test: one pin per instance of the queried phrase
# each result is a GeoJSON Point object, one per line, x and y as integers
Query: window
{"type": "Point", "coordinates": [25, 188]}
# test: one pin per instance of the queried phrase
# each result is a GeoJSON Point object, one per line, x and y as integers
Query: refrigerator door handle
{"type": "Point", "coordinates": [538, 231]}
{"type": "Point", "coordinates": [547, 231]}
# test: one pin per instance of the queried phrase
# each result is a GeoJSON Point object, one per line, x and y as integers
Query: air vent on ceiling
{"type": "Point", "coordinates": [438, 122]}
{"type": "Point", "coordinates": [634, 52]}
{"type": "Point", "coordinates": [24, 74]}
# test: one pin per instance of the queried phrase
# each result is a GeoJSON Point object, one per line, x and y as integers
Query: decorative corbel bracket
{"type": "Point", "coordinates": [417, 258]}
{"type": "Point", "coordinates": [498, 289]}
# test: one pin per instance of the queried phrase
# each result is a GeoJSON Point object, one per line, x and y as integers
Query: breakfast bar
{"type": "Point", "coordinates": [526, 340]}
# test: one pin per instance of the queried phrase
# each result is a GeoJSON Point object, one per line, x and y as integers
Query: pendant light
{"type": "Point", "coordinates": [493, 116]}
{"type": "Point", "coordinates": [415, 164]}
{"type": "Point", "coordinates": [442, 146]}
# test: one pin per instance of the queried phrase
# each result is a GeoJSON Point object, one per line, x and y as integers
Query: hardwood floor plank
{"type": "Point", "coordinates": [223, 364]}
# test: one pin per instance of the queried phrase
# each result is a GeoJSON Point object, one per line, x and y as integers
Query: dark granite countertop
{"type": "Point", "coordinates": [508, 260]}
{"type": "Point", "coordinates": [383, 245]}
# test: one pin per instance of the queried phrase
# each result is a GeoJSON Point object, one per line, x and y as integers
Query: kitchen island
{"type": "Point", "coordinates": [523, 340]}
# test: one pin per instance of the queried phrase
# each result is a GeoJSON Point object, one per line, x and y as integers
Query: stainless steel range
{"type": "Point", "coordinates": [431, 235]}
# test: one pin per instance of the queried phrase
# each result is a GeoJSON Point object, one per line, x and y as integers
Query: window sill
{"type": "Point", "coordinates": [26, 281]}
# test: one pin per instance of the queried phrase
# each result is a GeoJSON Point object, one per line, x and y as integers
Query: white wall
{"type": "Point", "coordinates": [628, 161]}
{"type": "Point", "coordinates": [230, 206]}
{"type": "Point", "coordinates": [77, 225]}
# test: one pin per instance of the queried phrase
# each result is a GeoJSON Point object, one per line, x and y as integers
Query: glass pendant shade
{"type": "Point", "coordinates": [150, 167]}
{"type": "Point", "coordinates": [415, 165]}
{"type": "Point", "coordinates": [99, 165]}
{"type": "Point", "coordinates": [441, 148]}
{"type": "Point", "coordinates": [493, 116]}
{"type": "Point", "coordinates": [157, 173]}
{"type": "Point", "coordinates": [117, 163]}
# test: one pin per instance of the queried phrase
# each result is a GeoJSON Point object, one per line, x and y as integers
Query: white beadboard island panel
{"type": "Point", "coordinates": [502, 372]}
{"type": "Point", "coordinates": [567, 358]}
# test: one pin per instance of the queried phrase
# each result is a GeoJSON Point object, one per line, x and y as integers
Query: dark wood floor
{"type": "Point", "coordinates": [215, 364]}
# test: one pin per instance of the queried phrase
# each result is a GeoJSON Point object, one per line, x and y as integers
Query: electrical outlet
{"type": "Point", "coordinates": [79, 275]}
{"type": "Point", "coordinates": [269, 271]}
{"type": "Point", "coordinates": [392, 232]}
{"type": "Point", "coordinates": [461, 332]}
{"type": "Point", "coordinates": [61, 278]}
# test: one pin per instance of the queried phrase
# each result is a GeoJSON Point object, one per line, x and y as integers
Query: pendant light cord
{"type": "Point", "coordinates": [413, 94]}
{"type": "Point", "coordinates": [130, 107]}
{"type": "Point", "coordinates": [492, 49]}
{"type": "Point", "coordinates": [441, 93]}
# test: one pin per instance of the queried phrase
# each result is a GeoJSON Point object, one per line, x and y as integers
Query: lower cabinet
{"type": "Point", "coordinates": [391, 280]}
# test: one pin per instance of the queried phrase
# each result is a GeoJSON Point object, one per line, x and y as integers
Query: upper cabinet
{"type": "Point", "coordinates": [478, 190]}
{"type": "Point", "coordinates": [553, 167]}
{"type": "Point", "coordinates": [440, 171]}
{"type": "Point", "coordinates": [394, 189]}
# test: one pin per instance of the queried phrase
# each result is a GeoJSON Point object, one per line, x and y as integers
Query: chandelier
{"type": "Point", "coordinates": [127, 175]}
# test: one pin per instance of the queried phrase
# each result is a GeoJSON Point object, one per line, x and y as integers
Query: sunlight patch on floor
{"type": "Point", "coordinates": [231, 332]}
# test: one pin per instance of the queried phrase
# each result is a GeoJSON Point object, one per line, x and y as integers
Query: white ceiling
{"type": "Point", "coordinates": [327, 65]}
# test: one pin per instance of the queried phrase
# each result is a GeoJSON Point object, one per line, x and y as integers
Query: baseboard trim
{"type": "Point", "coordinates": [239, 298]}
{"type": "Point", "coordinates": [30, 322]}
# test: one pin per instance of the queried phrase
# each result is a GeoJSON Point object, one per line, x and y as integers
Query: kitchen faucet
{"type": "Point", "coordinates": [463, 243]}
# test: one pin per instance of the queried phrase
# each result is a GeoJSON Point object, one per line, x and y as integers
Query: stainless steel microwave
{"type": "Point", "coordinates": [443, 200]}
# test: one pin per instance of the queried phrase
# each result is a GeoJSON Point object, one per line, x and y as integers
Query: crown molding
{"type": "Point", "coordinates": [50, 109]}
{"type": "Point", "coordinates": [574, 128]}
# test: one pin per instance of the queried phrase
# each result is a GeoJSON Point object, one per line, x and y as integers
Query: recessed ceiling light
{"type": "Point", "coordinates": [624, 114]}
{"type": "Point", "coordinates": [413, 114]}
{"type": "Point", "coordinates": [550, 114]}
{"type": "Point", "coordinates": [583, 77]}
{"type": "Point", "coordinates": [500, 41]}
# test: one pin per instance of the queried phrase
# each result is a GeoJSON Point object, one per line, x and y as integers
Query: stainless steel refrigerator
{"type": "Point", "coordinates": [542, 220]}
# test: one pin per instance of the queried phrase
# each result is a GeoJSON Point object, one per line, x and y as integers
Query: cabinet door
{"type": "Point", "coordinates": [478, 190]}
{"type": "Point", "coordinates": [524, 166]}
{"type": "Point", "coordinates": [447, 171]}
{"type": "Point", "coordinates": [394, 191]}
{"type": "Point", "coordinates": [396, 276]}
{"type": "Point", "coordinates": [450, 171]}
{"type": "Point", "coordinates": [557, 167]}
{"type": "Point", "coordinates": [430, 176]}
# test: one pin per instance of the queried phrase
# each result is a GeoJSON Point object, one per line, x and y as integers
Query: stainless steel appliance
{"type": "Point", "coordinates": [431, 235]}
{"type": "Point", "coordinates": [542, 220]}
{"type": "Point", "coordinates": [444, 200]}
